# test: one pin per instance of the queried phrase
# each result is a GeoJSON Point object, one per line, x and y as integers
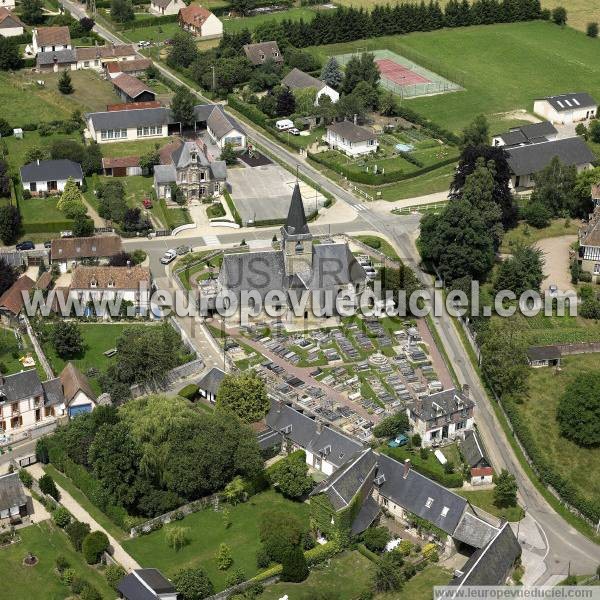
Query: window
{"type": "Point", "coordinates": [202, 176]}
{"type": "Point", "coordinates": [445, 511]}
{"type": "Point", "coordinates": [429, 503]}
{"type": "Point", "coordinates": [596, 268]}
{"type": "Point", "coordinates": [14, 408]}
{"type": "Point", "coordinates": [86, 64]}
{"type": "Point", "coordinates": [33, 186]}
{"type": "Point", "coordinates": [113, 134]}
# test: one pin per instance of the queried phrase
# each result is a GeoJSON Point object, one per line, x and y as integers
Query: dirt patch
{"type": "Point", "coordinates": [518, 115]}
{"type": "Point", "coordinates": [556, 254]}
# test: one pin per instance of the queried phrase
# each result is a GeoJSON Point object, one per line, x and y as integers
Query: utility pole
{"type": "Point", "coordinates": [214, 77]}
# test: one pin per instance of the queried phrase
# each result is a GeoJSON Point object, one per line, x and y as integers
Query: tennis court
{"type": "Point", "coordinates": [405, 77]}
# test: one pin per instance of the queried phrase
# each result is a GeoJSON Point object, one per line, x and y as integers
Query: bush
{"type": "Point", "coordinates": [114, 574]}
{"type": "Point", "coordinates": [189, 391]}
{"type": "Point", "coordinates": [177, 537]}
{"type": "Point", "coordinates": [376, 538]}
{"type": "Point", "coordinates": [223, 557]}
{"type": "Point", "coordinates": [294, 566]}
{"type": "Point", "coordinates": [537, 215]}
{"type": "Point", "coordinates": [77, 585]}
{"type": "Point", "coordinates": [592, 29]}
{"type": "Point", "coordinates": [61, 516]}
{"type": "Point", "coordinates": [77, 531]}
{"type": "Point", "coordinates": [93, 546]}
{"type": "Point", "coordinates": [193, 584]}
{"type": "Point", "coordinates": [67, 576]}
{"type": "Point", "coordinates": [235, 577]}
{"type": "Point", "coordinates": [263, 560]}
{"type": "Point", "coordinates": [26, 478]}
{"type": "Point", "coordinates": [61, 563]}
{"type": "Point", "coordinates": [89, 593]}
{"type": "Point", "coordinates": [320, 553]}
{"type": "Point", "coordinates": [47, 486]}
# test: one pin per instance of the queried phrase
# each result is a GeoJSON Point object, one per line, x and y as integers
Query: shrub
{"type": "Point", "coordinates": [67, 575]}
{"type": "Point", "coordinates": [77, 531]}
{"type": "Point", "coordinates": [320, 553]}
{"type": "Point", "coordinates": [93, 546]}
{"type": "Point", "coordinates": [177, 537]}
{"type": "Point", "coordinates": [89, 593]}
{"type": "Point", "coordinates": [592, 29]}
{"type": "Point", "coordinates": [263, 560]}
{"type": "Point", "coordinates": [429, 550]}
{"type": "Point", "coordinates": [416, 440]}
{"type": "Point", "coordinates": [77, 585]}
{"type": "Point", "coordinates": [26, 478]}
{"type": "Point", "coordinates": [61, 516]}
{"type": "Point", "coordinates": [47, 486]}
{"type": "Point", "coordinates": [376, 538]}
{"type": "Point", "coordinates": [405, 547]}
{"type": "Point", "coordinates": [189, 391]}
{"type": "Point", "coordinates": [236, 576]}
{"type": "Point", "coordinates": [61, 563]}
{"type": "Point", "coordinates": [223, 557]}
{"type": "Point", "coordinates": [193, 584]}
{"type": "Point", "coordinates": [114, 574]}
{"type": "Point", "coordinates": [294, 567]}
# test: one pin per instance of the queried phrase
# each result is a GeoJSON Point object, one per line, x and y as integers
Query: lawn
{"type": "Point", "coordinates": [502, 67]}
{"type": "Point", "coordinates": [10, 352]}
{"type": "Point", "coordinates": [379, 244]}
{"type": "Point", "coordinates": [420, 587]}
{"type": "Point", "coordinates": [136, 187]}
{"type": "Point", "coordinates": [135, 148]}
{"type": "Point", "coordinates": [344, 577]}
{"type": "Point", "coordinates": [46, 542]}
{"type": "Point", "coordinates": [295, 14]}
{"type": "Point", "coordinates": [41, 210]}
{"type": "Point", "coordinates": [484, 499]}
{"type": "Point", "coordinates": [18, 148]}
{"type": "Point", "coordinates": [207, 532]}
{"type": "Point", "coordinates": [526, 234]}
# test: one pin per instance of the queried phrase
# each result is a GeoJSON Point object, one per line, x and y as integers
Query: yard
{"type": "Point", "coordinates": [41, 210]}
{"type": "Point", "coordinates": [137, 188]}
{"type": "Point", "coordinates": [207, 532]}
{"type": "Point", "coordinates": [484, 499]}
{"type": "Point", "coordinates": [17, 148]}
{"type": "Point", "coordinates": [135, 148]}
{"type": "Point", "coordinates": [503, 67]}
{"type": "Point", "coordinates": [526, 234]}
{"type": "Point", "coordinates": [46, 542]}
{"type": "Point", "coordinates": [11, 351]}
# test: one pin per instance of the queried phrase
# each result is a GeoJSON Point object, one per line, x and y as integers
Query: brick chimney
{"type": "Point", "coordinates": [406, 468]}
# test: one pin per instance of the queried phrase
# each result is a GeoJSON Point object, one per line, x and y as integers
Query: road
{"type": "Point", "coordinates": [567, 547]}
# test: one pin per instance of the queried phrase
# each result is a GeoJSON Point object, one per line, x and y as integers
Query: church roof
{"type": "Point", "coordinates": [296, 224]}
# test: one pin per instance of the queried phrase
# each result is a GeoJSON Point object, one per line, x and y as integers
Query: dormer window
{"type": "Point", "coordinates": [429, 502]}
{"type": "Point", "coordinates": [111, 283]}
{"type": "Point", "coordinates": [445, 511]}
{"type": "Point", "coordinates": [93, 283]}
{"type": "Point", "coordinates": [194, 157]}
{"type": "Point", "coordinates": [287, 429]}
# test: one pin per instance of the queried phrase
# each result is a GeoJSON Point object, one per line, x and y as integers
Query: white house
{"type": "Point", "coordinates": [166, 7]}
{"type": "Point", "coordinates": [221, 127]}
{"type": "Point", "coordinates": [10, 24]}
{"type": "Point", "coordinates": [9, 4]}
{"type": "Point", "coordinates": [299, 80]}
{"type": "Point", "coordinates": [149, 584]}
{"type": "Point", "coordinates": [97, 57]}
{"type": "Point", "coordinates": [130, 284]}
{"type": "Point", "coordinates": [566, 108]}
{"type": "Point", "coordinates": [200, 21]}
{"type": "Point", "coordinates": [123, 125]}
{"type": "Point", "coordinates": [441, 416]}
{"type": "Point", "coordinates": [50, 176]}
{"type": "Point", "coordinates": [475, 456]}
{"type": "Point", "coordinates": [351, 139]}
{"type": "Point", "coordinates": [78, 394]}
{"type": "Point", "coordinates": [51, 39]}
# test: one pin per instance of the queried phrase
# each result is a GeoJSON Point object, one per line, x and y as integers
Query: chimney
{"type": "Point", "coordinates": [37, 160]}
{"type": "Point", "coordinates": [278, 404]}
{"type": "Point", "coordinates": [465, 390]}
{"type": "Point", "coordinates": [406, 468]}
{"type": "Point", "coordinates": [319, 427]}
{"type": "Point", "coordinates": [355, 118]}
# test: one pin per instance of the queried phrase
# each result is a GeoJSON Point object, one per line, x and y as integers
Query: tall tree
{"type": "Point", "coordinates": [286, 102]}
{"type": "Point", "coordinates": [193, 584]}
{"type": "Point", "coordinates": [32, 12]}
{"type": "Point", "coordinates": [8, 275]}
{"type": "Point", "coordinates": [10, 223]}
{"type": "Point", "coordinates": [523, 271]}
{"type": "Point", "coordinates": [578, 412]}
{"type": "Point", "coordinates": [182, 106]}
{"type": "Point", "coordinates": [121, 11]}
{"type": "Point", "coordinates": [477, 133]}
{"type": "Point", "coordinates": [70, 201]}
{"type": "Point", "coordinates": [331, 73]}
{"type": "Point", "coordinates": [67, 339]}
{"type": "Point", "coordinates": [245, 395]}
{"type": "Point", "coordinates": [10, 55]}
{"type": "Point", "coordinates": [555, 186]}
{"type": "Point", "coordinates": [183, 50]}
{"type": "Point", "coordinates": [505, 492]}
{"type": "Point", "coordinates": [65, 85]}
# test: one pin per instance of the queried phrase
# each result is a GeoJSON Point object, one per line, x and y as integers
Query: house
{"type": "Point", "coordinates": [13, 500]}
{"type": "Point", "coordinates": [26, 403]}
{"type": "Point", "coordinates": [187, 164]}
{"type": "Point", "coordinates": [351, 139]}
{"type": "Point", "coordinates": [97, 57]}
{"type": "Point", "coordinates": [200, 21]}
{"type": "Point", "coordinates": [131, 89]}
{"type": "Point", "coordinates": [473, 451]}
{"type": "Point", "coordinates": [9, 4]}
{"type": "Point", "coordinates": [299, 80]}
{"type": "Point", "coordinates": [528, 160]}
{"type": "Point", "coordinates": [566, 108]}
{"type": "Point", "coordinates": [166, 7]}
{"type": "Point", "coordinates": [589, 245]}
{"type": "Point", "coordinates": [56, 60]}
{"type": "Point", "coordinates": [146, 584]}
{"type": "Point", "coordinates": [10, 24]}
{"type": "Point", "coordinates": [51, 39]}
{"type": "Point", "coordinates": [221, 127]}
{"type": "Point", "coordinates": [544, 356]}
{"type": "Point", "coordinates": [123, 166]}
{"type": "Point", "coordinates": [526, 134]}
{"type": "Point", "coordinates": [324, 270]}
{"type": "Point", "coordinates": [441, 416]}
{"type": "Point", "coordinates": [50, 176]}
{"type": "Point", "coordinates": [208, 386]}
{"type": "Point", "coordinates": [129, 284]}
{"type": "Point", "coordinates": [78, 394]}
{"type": "Point", "coordinates": [11, 301]}
{"type": "Point", "coordinates": [135, 67]}
{"type": "Point", "coordinates": [121, 125]}
{"type": "Point", "coordinates": [259, 54]}
{"type": "Point", "coordinates": [69, 252]}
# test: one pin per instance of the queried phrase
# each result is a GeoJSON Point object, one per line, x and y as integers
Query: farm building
{"type": "Point", "coordinates": [259, 53]}
{"type": "Point", "coordinates": [123, 166]}
{"type": "Point", "coordinates": [566, 108]}
{"type": "Point", "coordinates": [50, 176]}
{"type": "Point", "coordinates": [56, 60]}
{"type": "Point", "coordinates": [351, 139]}
{"type": "Point", "coordinates": [131, 89]}
{"type": "Point", "coordinates": [200, 21]}
{"type": "Point", "coordinates": [97, 57]}
{"type": "Point", "coordinates": [544, 356]}
{"type": "Point", "coordinates": [299, 80]}
{"type": "Point", "coordinates": [131, 67]}
{"type": "Point", "coordinates": [208, 386]}
{"type": "Point", "coordinates": [10, 24]}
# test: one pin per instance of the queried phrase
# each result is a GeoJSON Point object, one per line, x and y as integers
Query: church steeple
{"type": "Point", "coordinates": [296, 224]}
{"type": "Point", "coordinates": [296, 239]}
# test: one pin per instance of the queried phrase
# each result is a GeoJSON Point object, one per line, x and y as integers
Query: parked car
{"type": "Point", "coordinates": [26, 245]}
{"type": "Point", "coordinates": [147, 203]}
{"type": "Point", "coordinates": [48, 244]}
{"type": "Point", "coordinates": [66, 234]}
{"type": "Point", "coordinates": [294, 131]}
{"type": "Point", "coordinates": [169, 256]}
{"type": "Point", "coordinates": [398, 441]}
{"type": "Point", "coordinates": [183, 250]}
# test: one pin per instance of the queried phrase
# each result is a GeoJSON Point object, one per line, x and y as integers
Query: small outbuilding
{"type": "Point", "coordinates": [566, 108]}
{"type": "Point", "coordinates": [13, 501]}
{"type": "Point", "coordinates": [131, 89]}
{"type": "Point", "coordinates": [208, 386]}
{"type": "Point", "coordinates": [146, 584]}
{"type": "Point", "coordinates": [544, 356]}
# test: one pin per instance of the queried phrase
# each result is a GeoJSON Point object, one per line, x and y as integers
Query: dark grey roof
{"type": "Point", "coordinates": [492, 564]}
{"type": "Point", "coordinates": [351, 132]}
{"type": "Point", "coordinates": [536, 130]}
{"type": "Point", "coordinates": [165, 174]}
{"type": "Point", "coordinates": [473, 450]}
{"type": "Point", "coordinates": [211, 381]}
{"type": "Point", "coordinates": [295, 223]}
{"type": "Point", "coordinates": [335, 265]}
{"type": "Point", "coordinates": [155, 579]}
{"type": "Point", "coordinates": [261, 271]}
{"type": "Point", "coordinates": [532, 158]}
{"type": "Point", "coordinates": [123, 119]}
{"type": "Point", "coordinates": [219, 169]}
{"type": "Point", "coordinates": [543, 352]}
{"type": "Point", "coordinates": [571, 101]}
{"type": "Point", "coordinates": [182, 157]}
{"type": "Point", "coordinates": [53, 392]}
{"type": "Point", "coordinates": [11, 491]}
{"type": "Point", "coordinates": [263, 51]}
{"type": "Point", "coordinates": [48, 170]}
{"type": "Point", "coordinates": [13, 258]}
{"type": "Point", "coordinates": [59, 57]}
{"type": "Point", "coordinates": [138, 585]}
{"type": "Point", "coordinates": [269, 439]}
{"type": "Point", "coordinates": [441, 404]}
{"type": "Point", "coordinates": [298, 80]}
{"type": "Point", "coordinates": [25, 384]}
{"type": "Point", "coordinates": [414, 491]}
{"type": "Point", "coordinates": [474, 531]}
{"type": "Point", "coordinates": [368, 512]}
{"type": "Point", "coordinates": [513, 137]}
{"type": "Point", "coordinates": [219, 122]}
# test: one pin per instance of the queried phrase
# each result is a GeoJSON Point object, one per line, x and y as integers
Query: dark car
{"type": "Point", "coordinates": [26, 245]}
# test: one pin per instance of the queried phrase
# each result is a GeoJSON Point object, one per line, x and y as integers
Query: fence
{"type": "Point", "coordinates": [421, 208]}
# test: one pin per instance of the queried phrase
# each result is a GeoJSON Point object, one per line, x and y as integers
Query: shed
{"type": "Point", "coordinates": [544, 356]}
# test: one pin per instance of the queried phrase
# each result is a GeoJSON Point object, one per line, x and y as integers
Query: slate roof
{"type": "Point", "coordinates": [211, 380]}
{"type": "Point", "coordinates": [474, 531]}
{"type": "Point", "coordinates": [259, 53]}
{"type": "Point", "coordinates": [9, 19]}
{"type": "Point", "coordinates": [74, 381]}
{"type": "Point", "coordinates": [413, 492]}
{"type": "Point", "coordinates": [53, 392]}
{"type": "Point", "coordinates": [165, 174]}
{"type": "Point", "coordinates": [12, 492]}
{"type": "Point", "coordinates": [144, 584]}
{"type": "Point", "coordinates": [334, 265]}
{"type": "Point", "coordinates": [25, 384]}
{"type": "Point", "coordinates": [181, 157]}
{"type": "Point", "coordinates": [571, 101]}
{"type": "Point", "coordinates": [262, 271]}
{"type": "Point", "coordinates": [106, 277]}
{"type": "Point", "coordinates": [59, 57]}
{"type": "Point", "coordinates": [12, 299]}
{"type": "Point", "coordinates": [368, 512]}
{"type": "Point", "coordinates": [351, 132]}
{"type": "Point", "coordinates": [123, 119]}
{"type": "Point", "coordinates": [527, 134]}
{"type": "Point", "coordinates": [543, 353]}
{"type": "Point", "coordinates": [216, 119]}
{"type": "Point", "coordinates": [295, 223]}
{"type": "Point", "coordinates": [473, 450]}
{"type": "Point", "coordinates": [130, 85]}
{"type": "Point", "coordinates": [449, 401]}
{"type": "Point", "coordinates": [491, 564]}
{"type": "Point", "coordinates": [298, 80]}
{"type": "Point", "coordinates": [589, 233]}
{"type": "Point", "coordinates": [51, 170]}
{"type": "Point", "coordinates": [53, 36]}
{"type": "Point", "coordinates": [162, 3]}
{"type": "Point", "coordinates": [102, 246]}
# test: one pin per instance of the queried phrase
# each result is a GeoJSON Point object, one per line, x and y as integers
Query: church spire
{"type": "Point", "coordinates": [296, 224]}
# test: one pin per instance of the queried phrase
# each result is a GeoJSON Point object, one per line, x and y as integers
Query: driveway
{"type": "Point", "coordinates": [556, 255]}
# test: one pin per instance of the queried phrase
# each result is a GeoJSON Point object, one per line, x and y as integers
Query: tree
{"type": "Point", "coordinates": [387, 576]}
{"type": "Point", "coordinates": [111, 200]}
{"type": "Point", "coordinates": [223, 557]}
{"type": "Point", "coordinates": [368, 94]}
{"type": "Point", "coordinates": [278, 531]}
{"type": "Point", "coordinates": [291, 477]}
{"type": "Point", "coordinates": [554, 186]}
{"type": "Point", "coordinates": [91, 161]}
{"type": "Point", "coordinates": [10, 57]}
{"type": "Point", "coordinates": [182, 106]}
{"type": "Point", "coordinates": [286, 102]}
{"type": "Point", "coordinates": [523, 271]}
{"type": "Point", "coordinates": [305, 101]}
{"type": "Point", "coordinates": [67, 339]}
{"type": "Point", "coordinates": [32, 12]}
{"type": "Point", "coordinates": [392, 426]}
{"type": "Point", "coordinates": [228, 154]}
{"type": "Point", "coordinates": [70, 201]}
{"type": "Point", "coordinates": [183, 50]}
{"type": "Point", "coordinates": [559, 15]}
{"type": "Point", "coordinates": [294, 567]}
{"type": "Point", "coordinates": [10, 223]}
{"type": "Point", "coordinates": [537, 214]}
{"type": "Point", "coordinates": [359, 69]}
{"type": "Point", "coordinates": [114, 574]}
{"type": "Point", "coordinates": [578, 412]}
{"type": "Point", "coordinates": [149, 160]}
{"type": "Point", "coordinates": [94, 544]}
{"type": "Point", "coordinates": [48, 487]}
{"type": "Point", "coordinates": [35, 153]}
{"type": "Point", "coordinates": [351, 106]}
{"type": "Point", "coordinates": [193, 584]}
{"type": "Point", "coordinates": [8, 275]}
{"type": "Point", "coordinates": [505, 492]}
{"type": "Point", "coordinates": [235, 491]}
{"type": "Point", "coordinates": [177, 537]}
{"type": "Point", "coordinates": [26, 478]}
{"type": "Point", "coordinates": [387, 104]}
{"type": "Point", "coordinates": [477, 133]}
{"type": "Point", "coordinates": [77, 531]}
{"type": "Point", "coordinates": [331, 73]}
{"type": "Point", "coordinates": [86, 24]}
{"type": "Point", "coordinates": [83, 226]}
{"type": "Point", "coordinates": [591, 29]}
{"type": "Point", "coordinates": [245, 395]}
{"type": "Point", "coordinates": [121, 11]}
{"type": "Point", "coordinates": [581, 204]}
{"type": "Point", "coordinates": [61, 516]}
{"type": "Point", "coordinates": [376, 538]}
{"type": "Point", "coordinates": [242, 7]}
{"type": "Point", "coordinates": [5, 131]}
{"type": "Point", "coordinates": [65, 85]}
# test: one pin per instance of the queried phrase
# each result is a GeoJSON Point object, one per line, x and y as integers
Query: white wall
{"type": "Point", "coordinates": [211, 28]}
{"type": "Point", "coordinates": [350, 148]}
{"type": "Point", "coordinates": [11, 31]}
{"type": "Point", "coordinates": [42, 186]}
{"type": "Point", "coordinates": [10, 4]}
{"type": "Point", "coordinates": [545, 109]}
{"type": "Point", "coordinates": [327, 91]}
{"type": "Point", "coordinates": [109, 295]}
{"type": "Point", "coordinates": [132, 134]}
{"type": "Point", "coordinates": [172, 9]}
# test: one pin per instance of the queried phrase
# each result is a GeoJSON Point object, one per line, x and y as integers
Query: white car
{"type": "Point", "coordinates": [294, 131]}
{"type": "Point", "coordinates": [169, 256]}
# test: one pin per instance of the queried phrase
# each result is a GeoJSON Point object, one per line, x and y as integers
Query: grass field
{"type": "Point", "coordinates": [251, 23]}
{"type": "Point", "coordinates": [485, 499]}
{"type": "Point", "coordinates": [10, 353]}
{"type": "Point", "coordinates": [420, 587]}
{"type": "Point", "coordinates": [18, 148]}
{"type": "Point", "coordinates": [529, 235]}
{"type": "Point", "coordinates": [46, 542]}
{"type": "Point", "coordinates": [505, 66]}
{"type": "Point", "coordinates": [207, 532]}
{"type": "Point", "coordinates": [543, 330]}
{"type": "Point", "coordinates": [135, 148]}
{"type": "Point", "coordinates": [379, 244]}
{"type": "Point", "coordinates": [41, 210]}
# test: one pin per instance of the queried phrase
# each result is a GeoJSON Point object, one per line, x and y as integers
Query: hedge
{"type": "Point", "coordinates": [367, 553]}
{"type": "Point", "coordinates": [189, 391]}
{"type": "Point", "coordinates": [232, 208]}
{"type": "Point", "coordinates": [150, 22]}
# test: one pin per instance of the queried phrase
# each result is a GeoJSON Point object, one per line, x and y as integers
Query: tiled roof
{"type": "Point", "coordinates": [194, 15]}
{"type": "Point", "coordinates": [257, 54]}
{"type": "Point", "coordinates": [120, 106]}
{"type": "Point", "coordinates": [73, 381]}
{"type": "Point", "coordinates": [53, 36]}
{"type": "Point", "coordinates": [131, 85]}
{"type": "Point", "coordinates": [11, 491]}
{"type": "Point", "coordinates": [128, 66]}
{"type": "Point", "coordinates": [87, 247]}
{"type": "Point", "coordinates": [94, 52]}
{"type": "Point", "coordinates": [298, 80]}
{"type": "Point", "coordinates": [351, 132]}
{"type": "Point", "coordinates": [109, 162]}
{"type": "Point", "coordinates": [6, 15]}
{"type": "Point", "coordinates": [12, 299]}
{"type": "Point", "coordinates": [103, 278]}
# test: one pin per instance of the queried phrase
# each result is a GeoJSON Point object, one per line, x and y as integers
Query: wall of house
{"type": "Point", "coordinates": [351, 148]}
{"type": "Point", "coordinates": [27, 414]}
{"type": "Point", "coordinates": [545, 109]}
{"type": "Point", "coordinates": [172, 9]}
{"type": "Point", "coordinates": [94, 63]}
{"type": "Point", "coordinates": [81, 403]}
{"type": "Point", "coordinates": [477, 480]}
{"type": "Point", "coordinates": [211, 28]}
{"type": "Point", "coordinates": [139, 298]}
{"type": "Point", "coordinates": [131, 133]}
{"type": "Point", "coordinates": [42, 186]}
{"type": "Point", "coordinates": [327, 91]}
{"type": "Point", "coordinates": [10, 4]}
{"type": "Point", "coordinates": [10, 31]}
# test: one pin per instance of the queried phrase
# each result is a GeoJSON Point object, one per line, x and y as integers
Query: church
{"type": "Point", "coordinates": [301, 280]}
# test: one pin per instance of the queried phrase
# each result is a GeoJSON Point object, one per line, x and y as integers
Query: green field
{"type": "Point", "coordinates": [485, 499]}
{"type": "Point", "coordinates": [18, 148]}
{"type": "Point", "coordinates": [505, 66]}
{"type": "Point", "coordinates": [41, 210]}
{"type": "Point", "coordinates": [251, 23]}
{"type": "Point", "coordinates": [207, 532]}
{"type": "Point", "coordinates": [542, 330]}
{"type": "Point", "coordinates": [46, 542]}
{"type": "Point", "coordinates": [134, 148]}
{"type": "Point", "coordinates": [526, 234]}
{"type": "Point", "coordinates": [379, 244]}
